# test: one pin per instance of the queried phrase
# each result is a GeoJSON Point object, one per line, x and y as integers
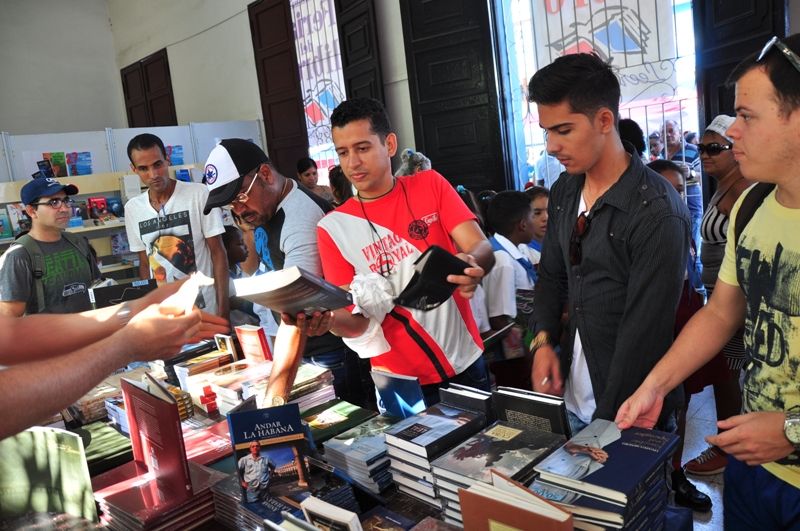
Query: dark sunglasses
{"type": "Point", "coordinates": [713, 149]}
{"type": "Point", "coordinates": [789, 54]}
{"type": "Point", "coordinates": [580, 228]}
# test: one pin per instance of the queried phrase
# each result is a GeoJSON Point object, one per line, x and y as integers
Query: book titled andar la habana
{"type": "Point", "coordinates": [281, 435]}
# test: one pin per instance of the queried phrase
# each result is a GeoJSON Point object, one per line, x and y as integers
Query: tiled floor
{"type": "Point", "coordinates": [702, 422]}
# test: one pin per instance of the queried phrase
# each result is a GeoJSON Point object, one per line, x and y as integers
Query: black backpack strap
{"type": "Point", "coordinates": [752, 201]}
{"type": "Point", "coordinates": [37, 264]}
{"type": "Point", "coordinates": [80, 243]}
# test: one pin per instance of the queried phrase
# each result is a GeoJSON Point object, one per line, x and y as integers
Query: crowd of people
{"type": "Point", "coordinates": [589, 282]}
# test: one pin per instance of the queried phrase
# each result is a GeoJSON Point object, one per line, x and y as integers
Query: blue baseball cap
{"type": "Point", "coordinates": [44, 187]}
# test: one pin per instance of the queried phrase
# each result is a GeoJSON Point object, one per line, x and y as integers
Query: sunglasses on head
{"type": "Point", "coordinates": [789, 54]}
{"type": "Point", "coordinates": [713, 149]}
{"type": "Point", "coordinates": [580, 228]}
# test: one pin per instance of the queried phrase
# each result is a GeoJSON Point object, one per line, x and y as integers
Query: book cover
{"type": "Point", "coordinates": [334, 417]}
{"type": "Point", "coordinates": [81, 209]}
{"type": "Point", "coordinates": [58, 163]}
{"type": "Point", "coordinates": [534, 410]}
{"type": "Point", "coordinates": [19, 218]}
{"type": "Point", "coordinates": [119, 243]}
{"type": "Point", "coordinates": [464, 397]}
{"type": "Point", "coordinates": [45, 470]}
{"type": "Point", "coordinates": [292, 290]}
{"type": "Point", "coordinates": [609, 463]}
{"type": "Point", "coordinates": [507, 505]}
{"type": "Point", "coordinates": [253, 341]}
{"type": "Point", "coordinates": [268, 446]}
{"type": "Point", "coordinates": [511, 450]}
{"type": "Point", "coordinates": [155, 426]}
{"type": "Point", "coordinates": [6, 231]}
{"type": "Point", "coordinates": [434, 430]}
{"type": "Point", "coordinates": [382, 519]}
{"type": "Point", "coordinates": [401, 395]}
{"type": "Point", "coordinates": [97, 207]}
{"type": "Point", "coordinates": [105, 447]}
{"type": "Point", "coordinates": [227, 381]}
{"type": "Point", "coordinates": [115, 206]}
{"type": "Point", "coordinates": [206, 443]}
{"type": "Point", "coordinates": [364, 444]}
{"type": "Point", "coordinates": [328, 516]}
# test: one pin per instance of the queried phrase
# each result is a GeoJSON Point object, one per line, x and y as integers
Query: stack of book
{"type": "Point", "coordinates": [92, 406]}
{"type": "Point", "coordinates": [227, 381]}
{"type": "Point", "coordinates": [132, 501]}
{"type": "Point", "coordinates": [414, 442]}
{"type": "Point", "coordinates": [361, 453]}
{"type": "Point", "coordinates": [202, 363]}
{"type": "Point", "coordinates": [510, 449]}
{"type": "Point", "coordinates": [188, 352]}
{"type": "Point", "coordinates": [610, 477]}
{"type": "Point", "coordinates": [115, 410]}
{"type": "Point", "coordinates": [332, 418]}
{"type": "Point", "coordinates": [312, 386]}
{"type": "Point", "coordinates": [105, 447]}
{"type": "Point", "coordinates": [56, 421]}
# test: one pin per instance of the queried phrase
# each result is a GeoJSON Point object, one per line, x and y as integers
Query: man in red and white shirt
{"type": "Point", "coordinates": [383, 230]}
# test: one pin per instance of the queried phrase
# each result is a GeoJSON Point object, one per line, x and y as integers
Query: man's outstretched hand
{"type": "Point", "coordinates": [641, 409]}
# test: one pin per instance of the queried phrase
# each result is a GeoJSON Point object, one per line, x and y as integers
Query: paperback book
{"type": "Point", "coordinates": [292, 290]}
{"type": "Point", "coordinates": [334, 417]}
{"type": "Point", "coordinates": [253, 341]}
{"type": "Point", "coordinates": [531, 409]}
{"type": "Point", "coordinates": [362, 446]}
{"type": "Point", "coordinates": [401, 396]}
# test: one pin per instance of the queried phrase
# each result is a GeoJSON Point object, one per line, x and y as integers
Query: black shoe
{"type": "Point", "coordinates": [687, 495]}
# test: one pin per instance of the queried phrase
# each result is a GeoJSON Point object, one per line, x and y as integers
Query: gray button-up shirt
{"type": "Point", "coordinates": [624, 293]}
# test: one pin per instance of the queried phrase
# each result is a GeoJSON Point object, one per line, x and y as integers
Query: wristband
{"type": "Point", "coordinates": [124, 313]}
{"type": "Point", "coordinates": [541, 339]}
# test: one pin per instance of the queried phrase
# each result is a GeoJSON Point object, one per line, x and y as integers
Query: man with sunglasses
{"type": "Point", "coordinates": [758, 286]}
{"type": "Point", "coordinates": [67, 270]}
{"type": "Point", "coordinates": [616, 247]}
{"type": "Point", "coordinates": [284, 215]}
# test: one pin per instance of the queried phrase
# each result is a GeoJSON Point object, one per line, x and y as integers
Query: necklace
{"type": "Point", "coordinates": [362, 199]}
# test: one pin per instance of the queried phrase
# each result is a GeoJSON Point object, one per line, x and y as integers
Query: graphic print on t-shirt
{"type": "Point", "coordinates": [170, 247]}
{"type": "Point", "coordinates": [62, 267]}
{"type": "Point", "coordinates": [262, 248]}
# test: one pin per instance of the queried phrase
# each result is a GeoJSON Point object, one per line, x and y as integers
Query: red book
{"type": "Point", "coordinates": [254, 343]}
{"type": "Point", "coordinates": [156, 434]}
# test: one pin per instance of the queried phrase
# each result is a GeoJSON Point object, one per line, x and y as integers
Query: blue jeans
{"type": "Point", "coordinates": [351, 379]}
{"type": "Point", "coordinates": [755, 499]}
{"type": "Point", "coordinates": [670, 424]}
{"type": "Point", "coordinates": [694, 200]}
{"type": "Point", "coordinates": [474, 376]}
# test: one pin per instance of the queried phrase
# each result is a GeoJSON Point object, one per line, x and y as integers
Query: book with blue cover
{"type": "Point", "coordinates": [382, 519]}
{"type": "Point", "coordinates": [401, 396]}
{"type": "Point", "coordinates": [611, 464]}
{"type": "Point", "coordinates": [434, 430]}
{"type": "Point", "coordinates": [268, 446]}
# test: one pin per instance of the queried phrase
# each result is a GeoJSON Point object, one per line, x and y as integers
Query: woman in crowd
{"type": "Point", "coordinates": [340, 186]}
{"type": "Point", "coordinates": [716, 156]}
{"type": "Point", "coordinates": [307, 176]}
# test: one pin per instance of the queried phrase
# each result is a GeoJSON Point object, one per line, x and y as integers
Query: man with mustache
{"type": "Point", "coordinates": [60, 283]}
{"type": "Point", "coordinates": [166, 227]}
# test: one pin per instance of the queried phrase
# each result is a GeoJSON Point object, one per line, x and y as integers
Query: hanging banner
{"type": "Point", "coordinates": [637, 35]}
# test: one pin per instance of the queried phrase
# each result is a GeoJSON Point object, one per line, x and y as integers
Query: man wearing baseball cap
{"type": "Point", "coordinates": [47, 270]}
{"type": "Point", "coordinates": [285, 215]}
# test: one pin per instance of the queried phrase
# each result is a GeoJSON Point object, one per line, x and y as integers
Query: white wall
{"type": "Point", "coordinates": [57, 67]}
{"type": "Point", "coordinates": [210, 53]}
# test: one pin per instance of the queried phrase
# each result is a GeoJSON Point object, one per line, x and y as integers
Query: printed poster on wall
{"type": "Point", "coordinates": [638, 35]}
{"type": "Point", "coordinates": [175, 154]}
{"type": "Point", "coordinates": [79, 163]}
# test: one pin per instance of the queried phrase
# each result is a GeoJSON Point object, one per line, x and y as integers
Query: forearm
{"type": "Point", "coordinates": [289, 347]}
{"type": "Point", "coordinates": [144, 269]}
{"type": "Point", "coordinates": [348, 325]}
{"type": "Point", "coordinates": [221, 285]}
{"type": "Point", "coordinates": [483, 254]}
{"type": "Point", "coordinates": [39, 389]}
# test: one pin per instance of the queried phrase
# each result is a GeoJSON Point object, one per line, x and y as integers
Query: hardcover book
{"type": "Point", "coordinates": [155, 426]}
{"type": "Point", "coordinates": [45, 470]}
{"type": "Point", "coordinates": [105, 447]}
{"type": "Point", "coordinates": [253, 341]}
{"type": "Point", "coordinates": [115, 206]}
{"type": "Point", "coordinates": [119, 243]}
{"type": "Point", "coordinates": [6, 231]}
{"type": "Point", "coordinates": [268, 446]}
{"type": "Point", "coordinates": [509, 449]}
{"type": "Point", "coordinates": [227, 381]}
{"type": "Point", "coordinates": [334, 417]}
{"type": "Point", "coordinates": [531, 409]}
{"type": "Point", "coordinates": [401, 395]}
{"type": "Point", "coordinates": [292, 290]}
{"type": "Point", "coordinates": [611, 464]}
{"type": "Point", "coordinates": [465, 397]}
{"type": "Point", "coordinates": [507, 505]}
{"type": "Point", "coordinates": [119, 293]}
{"type": "Point", "coordinates": [434, 430]}
{"type": "Point", "coordinates": [19, 218]}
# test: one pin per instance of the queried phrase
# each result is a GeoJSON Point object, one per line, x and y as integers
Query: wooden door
{"type": "Point", "coordinates": [279, 83]}
{"type": "Point", "coordinates": [358, 40]}
{"type": "Point", "coordinates": [451, 72]}
{"type": "Point", "coordinates": [147, 89]}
